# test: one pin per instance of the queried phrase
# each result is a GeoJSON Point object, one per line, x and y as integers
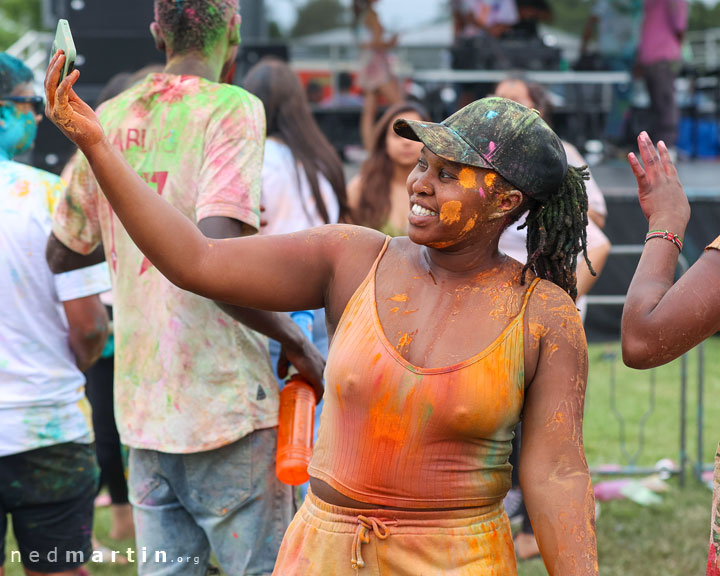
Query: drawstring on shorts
{"type": "Point", "coordinates": [362, 536]}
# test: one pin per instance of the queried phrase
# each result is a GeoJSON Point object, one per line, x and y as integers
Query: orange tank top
{"type": "Point", "coordinates": [394, 434]}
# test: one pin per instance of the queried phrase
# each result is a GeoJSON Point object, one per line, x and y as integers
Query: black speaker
{"type": "Point", "coordinates": [133, 17]}
{"type": "Point", "coordinates": [100, 57]}
{"type": "Point", "coordinates": [251, 53]}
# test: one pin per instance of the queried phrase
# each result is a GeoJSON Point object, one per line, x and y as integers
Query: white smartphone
{"type": "Point", "coordinates": [64, 41]}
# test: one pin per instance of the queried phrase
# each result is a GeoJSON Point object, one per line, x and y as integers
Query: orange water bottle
{"type": "Point", "coordinates": [295, 431]}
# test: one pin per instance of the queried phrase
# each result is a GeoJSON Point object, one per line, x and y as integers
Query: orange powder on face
{"type": "Point", "coordinates": [399, 298]}
{"type": "Point", "coordinates": [450, 211]}
{"type": "Point", "coordinates": [467, 178]}
{"type": "Point", "coordinates": [489, 179]}
{"type": "Point", "coordinates": [394, 309]}
{"type": "Point", "coordinates": [469, 225]}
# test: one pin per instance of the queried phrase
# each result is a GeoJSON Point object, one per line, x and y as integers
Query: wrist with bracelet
{"type": "Point", "coordinates": [665, 235]}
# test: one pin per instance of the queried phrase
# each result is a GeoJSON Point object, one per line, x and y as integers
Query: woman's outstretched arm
{"type": "Point", "coordinates": [273, 272]}
{"type": "Point", "coordinates": [554, 476]}
{"type": "Point", "coordinates": [662, 319]}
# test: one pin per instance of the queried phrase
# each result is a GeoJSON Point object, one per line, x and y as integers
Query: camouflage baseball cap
{"type": "Point", "coordinates": [500, 135]}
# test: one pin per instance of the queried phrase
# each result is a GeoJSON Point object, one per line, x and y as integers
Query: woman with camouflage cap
{"type": "Point", "coordinates": [440, 344]}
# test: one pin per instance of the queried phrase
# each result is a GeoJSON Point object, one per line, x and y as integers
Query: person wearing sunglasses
{"type": "Point", "coordinates": [35, 103]}
{"type": "Point", "coordinates": [53, 327]}
{"type": "Point", "coordinates": [20, 112]}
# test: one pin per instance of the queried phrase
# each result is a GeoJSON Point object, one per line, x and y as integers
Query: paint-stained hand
{"type": "Point", "coordinates": [65, 108]}
{"type": "Point", "coordinates": [662, 198]}
{"type": "Point", "coordinates": [307, 360]}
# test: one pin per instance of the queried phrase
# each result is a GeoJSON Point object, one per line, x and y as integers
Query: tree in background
{"type": "Point", "coordinates": [16, 18]}
{"type": "Point", "coordinates": [703, 16]}
{"type": "Point", "coordinates": [318, 16]}
{"type": "Point", "coordinates": [571, 15]}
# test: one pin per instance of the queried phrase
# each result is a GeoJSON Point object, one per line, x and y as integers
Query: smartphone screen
{"type": "Point", "coordinates": [64, 41]}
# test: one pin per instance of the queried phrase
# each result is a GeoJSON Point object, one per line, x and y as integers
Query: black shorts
{"type": "Point", "coordinates": [49, 494]}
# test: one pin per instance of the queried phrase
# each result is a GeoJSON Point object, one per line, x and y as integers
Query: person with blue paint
{"type": "Point", "coordinates": [52, 328]}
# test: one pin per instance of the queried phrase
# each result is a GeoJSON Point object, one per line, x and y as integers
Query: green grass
{"type": "Point", "coordinates": [669, 539]}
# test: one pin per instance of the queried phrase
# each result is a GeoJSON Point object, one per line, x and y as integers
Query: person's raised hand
{"type": "Point", "coordinates": [662, 198]}
{"type": "Point", "coordinates": [66, 110]}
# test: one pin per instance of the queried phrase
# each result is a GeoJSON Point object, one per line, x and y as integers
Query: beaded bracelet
{"type": "Point", "coordinates": [666, 235]}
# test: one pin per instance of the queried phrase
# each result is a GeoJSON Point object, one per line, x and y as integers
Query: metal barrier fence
{"type": "Point", "coordinates": [632, 457]}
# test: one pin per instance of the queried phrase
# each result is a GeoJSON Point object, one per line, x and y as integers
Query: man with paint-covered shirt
{"type": "Point", "coordinates": [51, 328]}
{"type": "Point", "coordinates": [195, 396]}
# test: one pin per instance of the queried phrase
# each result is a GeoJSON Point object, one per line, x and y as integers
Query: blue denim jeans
{"type": "Point", "coordinates": [226, 500]}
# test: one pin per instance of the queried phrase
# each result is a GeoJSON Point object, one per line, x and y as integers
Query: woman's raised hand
{"type": "Point", "coordinates": [662, 198]}
{"type": "Point", "coordinates": [65, 108]}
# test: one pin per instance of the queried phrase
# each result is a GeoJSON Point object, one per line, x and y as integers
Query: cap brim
{"type": "Point", "coordinates": [442, 141]}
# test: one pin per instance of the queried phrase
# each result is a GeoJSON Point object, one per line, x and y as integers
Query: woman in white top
{"type": "Point", "coordinates": [303, 180]}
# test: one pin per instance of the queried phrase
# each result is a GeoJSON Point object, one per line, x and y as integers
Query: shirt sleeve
{"type": "Point", "coordinates": [679, 15]}
{"type": "Point", "coordinates": [83, 282]}
{"type": "Point", "coordinates": [279, 183]}
{"type": "Point", "coordinates": [76, 222]}
{"type": "Point", "coordinates": [231, 174]}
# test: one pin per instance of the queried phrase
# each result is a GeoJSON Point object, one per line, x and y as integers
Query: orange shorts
{"type": "Point", "coordinates": [325, 540]}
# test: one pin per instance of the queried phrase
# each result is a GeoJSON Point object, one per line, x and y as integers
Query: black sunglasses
{"type": "Point", "coordinates": [37, 102]}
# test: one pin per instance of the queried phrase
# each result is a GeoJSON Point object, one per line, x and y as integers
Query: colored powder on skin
{"type": "Point", "coordinates": [467, 178]}
{"type": "Point", "coordinates": [450, 211]}
{"type": "Point", "coordinates": [559, 418]}
{"type": "Point", "coordinates": [470, 224]}
{"type": "Point", "coordinates": [490, 178]}
{"type": "Point", "coordinates": [394, 309]}
{"type": "Point", "coordinates": [491, 114]}
{"type": "Point", "coordinates": [404, 341]}
{"type": "Point", "coordinates": [399, 298]}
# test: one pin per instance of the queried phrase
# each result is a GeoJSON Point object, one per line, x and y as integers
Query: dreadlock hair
{"type": "Point", "coordinates": [193, 25]}
{"type": "Point", "coordinates": [556, 232]}
{"type": "Point", "coordinates": [13, 72]}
